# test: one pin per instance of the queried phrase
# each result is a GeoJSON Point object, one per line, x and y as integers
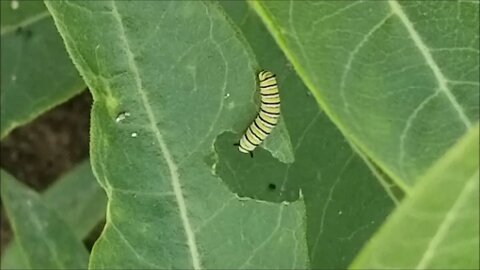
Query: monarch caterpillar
{"type": "Point", "coordinates": [267, 117]}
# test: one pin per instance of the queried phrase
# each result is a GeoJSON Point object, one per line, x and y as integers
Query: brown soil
{"type": "Point", "coordinates": [39, 152]}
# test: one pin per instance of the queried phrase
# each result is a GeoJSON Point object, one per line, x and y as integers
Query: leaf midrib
{"type": "Point", "coordinates": [271, 24]}
{"type": "Point", "coordinates": [447, 222]}
{"type": "Point", "coordinates": [425, 51]}
{"type": "Point", "coordinates": [56, 259]}
{"type": "Point", "coordinates": [172, 166]}
{"type": "Point", "coordinates": [278, 35]}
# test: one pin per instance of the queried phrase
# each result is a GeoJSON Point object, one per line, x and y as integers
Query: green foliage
{"type": "Point", "coordinates": [376, 101]}
{"type": "Point", "coordinates": [45, 239]}
{"type": "Point", "coordinates": [166, 208]}
{"type": "Point", "coordinates": [345, 203]}
{"type": "Point", "coordinates": [442, 221]}
{"type": "Point", "coordinates": [36, 73]}
{"type": "Point", "coordinates": [77, 199]}
{"type": "Point", "coordinates": [399, 79]}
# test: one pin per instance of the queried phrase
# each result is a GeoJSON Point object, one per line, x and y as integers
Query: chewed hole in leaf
{"type": "Point", "coordinates": [261, 177]}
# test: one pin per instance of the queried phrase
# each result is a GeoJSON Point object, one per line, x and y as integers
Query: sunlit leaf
{"type": "Point", "coordinates": [399, 78]}
{"type": "Point", "coordinates": [437, 226]}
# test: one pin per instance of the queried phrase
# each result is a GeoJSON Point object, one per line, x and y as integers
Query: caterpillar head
{"type": "Point", "coordinates": [263, 75]}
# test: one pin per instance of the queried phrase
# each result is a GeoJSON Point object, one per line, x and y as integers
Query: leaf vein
{"type": "Point", "coordinates": [425, 51]}
{"type": "Point", "coordinates": [408, 125]}
{"type": "Point", "coordinates": [129, 245]}
{"type": "Point", "coordinates": [327, 203]}
{"type": "Point", "coordinates": [25, 23]}
{"type": "Point", "coordinates": [274, 231]}
{"type": "Point", "coordinates": [354, 53]}
{"type": "Point", "coordinates": [336, 13]}
{"type": "Point", "coordinates": [214, 215]}
{"type": "Point", "coordinates": [448, 221]}
{"type": "Point", "coordinates": [172, 166]}
{"type": "Point", "coordinates": [52, 249]}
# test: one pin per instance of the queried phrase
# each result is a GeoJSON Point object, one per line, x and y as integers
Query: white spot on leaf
{"type": "Point", "coordinates": [134, 134]}
{"type": "Point", "coordinates": [121, 116]}
{"type": "Point", "coordinates": [14, 4]}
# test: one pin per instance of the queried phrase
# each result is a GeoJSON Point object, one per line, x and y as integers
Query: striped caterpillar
{"type": "Point", "coordinates": [268, 116]}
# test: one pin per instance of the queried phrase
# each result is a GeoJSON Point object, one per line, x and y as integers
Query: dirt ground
{"type": "Point", "coordinates": [42, 150]}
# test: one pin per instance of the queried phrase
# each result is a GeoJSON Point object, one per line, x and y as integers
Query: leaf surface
{"type": "Point", "coordinates": [345, 202]}
{"type": "Point", "coordinates": [437, 226]}
{"type": "Point", "coordinates": [400, 79]}
{"type": "Point", "coordinates": [78, 200]}
{"type": "Point", "coordinates": [167, 79]}
{"type": "Point", "coordinates": [46, 241]}
{"type": "Point", "coordinates": [36, 73]}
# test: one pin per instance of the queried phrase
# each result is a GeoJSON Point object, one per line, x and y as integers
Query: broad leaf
{"type": "Point", "coordinates": [345, 203]}
{"type": "Point", "coordinates": [36, 73]}
{"type": "Point", "coordinates": [400, 79]}
{"type": "Point", "coordinates": [45, 239]}
{"type": "Point", "coordinates": [77, 198]}
{"type": "Point", "coordinates": [441, 217]}
{"type": "Point", "coordinates": [167, 78]}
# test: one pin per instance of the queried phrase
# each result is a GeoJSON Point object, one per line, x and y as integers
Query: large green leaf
{"type": "Point", "coordinates": [36, 73]}
{"type": "Point", "coordinates": [167, 78]}
{"type": "Point", "coordinates": [77, 198]}
{"type": "Point", "coordinates": [400, 79]}
{"type": "Point", "coordinates": [45, 239]}
{"type": "Point", "coordinates": [345, 203]}
{"type": "Point", "coordinates": [441, 217]}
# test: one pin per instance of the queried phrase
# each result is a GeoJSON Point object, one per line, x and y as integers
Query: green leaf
{"type": "Point", "coordinates": [437, 226]}
{"type": "Point", "coordinates": [279, 144]}
{"type": "Point", "coordinates": [344, 201]}
{"type": "Point", "coordinates": [400, 79]}
{"type": "Point", "coordinates": [77, 198]}
{"type": "Point", "coordinates": [46, 241]}
{"type": "Point", "coordinates": [36, 73]}
{"type": "Point", "coordinates": [167, 78]}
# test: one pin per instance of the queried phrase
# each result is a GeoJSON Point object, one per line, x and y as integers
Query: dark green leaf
{"type": "Point", "coordinates": [345, 202]}
{"type": "Point", "coordinates": [77, 198]}
{"type": "Point", "coordinates": [36, 73]}
{"type": "Point", "coordinates": [45, 239]}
